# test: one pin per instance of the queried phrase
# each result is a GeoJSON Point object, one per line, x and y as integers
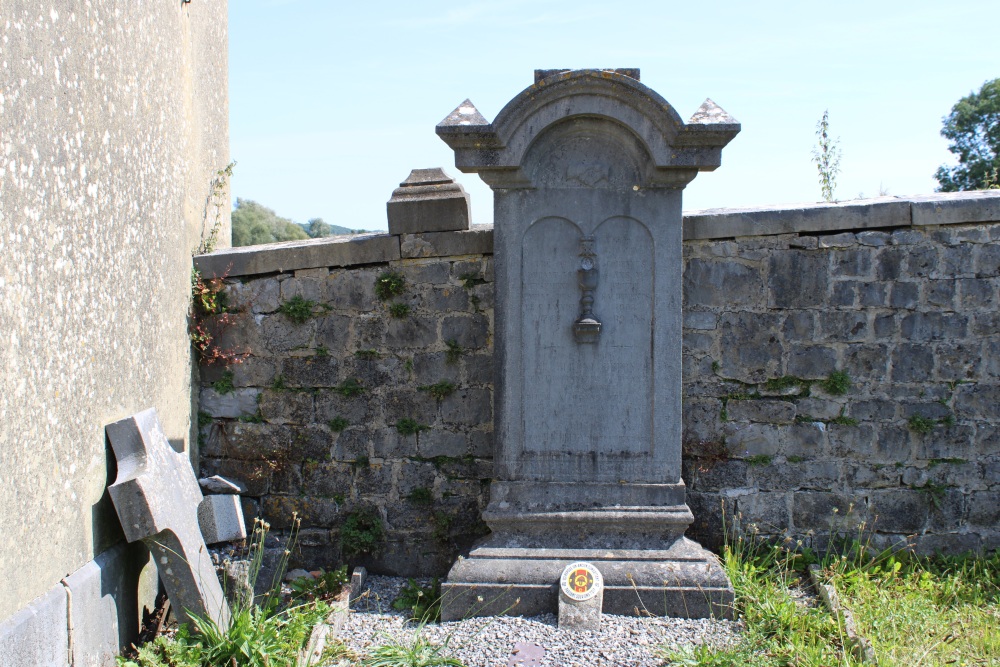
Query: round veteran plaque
{"type": "Point", "coordinates": [581, 581]}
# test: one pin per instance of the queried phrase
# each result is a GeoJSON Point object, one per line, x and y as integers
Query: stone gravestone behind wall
{"type": "Point", "coordinates": [587, 169]}
{"type": "Point", "coordinates": [157, 496]}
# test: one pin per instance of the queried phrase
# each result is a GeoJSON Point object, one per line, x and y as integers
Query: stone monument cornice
{"type": "Point", "coordinates": [497, 151]}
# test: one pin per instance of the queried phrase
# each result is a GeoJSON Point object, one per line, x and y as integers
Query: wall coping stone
{"type": "Point", "coordinates": [951, 208]}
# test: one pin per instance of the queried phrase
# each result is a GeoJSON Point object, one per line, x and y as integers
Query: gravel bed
{"type": "Point", "coordinates": [488, 642]}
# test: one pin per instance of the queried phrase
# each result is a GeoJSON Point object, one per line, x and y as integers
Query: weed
{"type": "Point", "coordinates": [255, 418]}
{"type": "Point", "coordinates": [470, 280]}
{"type": "Point", "coordinates": [407, 426]}
{"type": "Point", "coordinates": [408, 365]}
{"type": "Point", "coordinates": [361, 462]}
{"type": "Point", "coordinates": [424, 603]}
{"type": "Point", "coordinates": [795, 459]}
{"type": "Point", "coordinates": [947, 421]}
{"type": "Point", "coordinates": [439, 390]}
{"type": "Point", "coordinates": [297, 309]}
{"type": "Point", "coordinates": [389, 284]}
{"type": "Point", "coordinates": [322, 351]}
{"type": "Point", "coordinates": [349, 388]}
{"type": "Point", "coordinates": [759, 460]}
{"type": "Point", "coordinates": [362, 533]}
{"type": "Point", "coordinates": [826, 155]}
{"type": "Point", "coordinates": [210, 316]}
{"type": "Point", "coordinates": [338, 424]}
{"type": "Point", "coordinates": [224, 385]}
{"type": "Point", "coordinates": [783, 383]}
{"type": "Point", "coordinates": [325, 586]}
{"type": "Point", "coordinates": [843, 420]}
{"type": "Point", "coordinates": [368, 355]}
{"type": "Point", "coordinates": [442, 526]}
{"type": "Point", "coordinates": [454, 351]}
{"type": "Point", "coordinates": [417, 652]}
{"type": "Point", "coordinates": [805, 419]}
{"type": "Point", "coordinates": [716, 366]}
{"type": "Point", "coordinates": [219, 201]}
{"type": "Point", "coordinates": [399, 310]}
{"type": "Point", "coordinates": [919, 424]}
{"type": "Point", "coordinates": [475, 301]}
{"type": "Point", "coordinates": [935, 492]}
{"type": "Point", "coordinates": [421, 496]}
{"type": "Point", "coordinates": [278, 383]}
{"type": "Point", "coordinates": [936, 462]}
{"type": "Point", "coordinates": [204, 419]}
{"type": "Point", "coordinates": [836, 383]}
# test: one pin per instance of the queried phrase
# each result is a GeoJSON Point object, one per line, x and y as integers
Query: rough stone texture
{"type": "Point", "coordinates": [36, 635]}
{"type": "Point", "coordinates": [758, 450]}
{"type": "Point", "coordinates": [113, 125]}
{"type": "Point", "coordinates": [157, 499]}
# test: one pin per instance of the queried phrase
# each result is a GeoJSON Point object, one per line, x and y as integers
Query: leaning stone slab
{"type": "Point", "coordinates": [221, 518]}
{"type": "Point", "coordinates": [294, 255]}
{"type": "Point", "coordinates": [429, 200]}
{"type": "Point", "coordinates": [156, 496]}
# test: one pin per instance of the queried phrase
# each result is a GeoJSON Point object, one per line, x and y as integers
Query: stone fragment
{"type": "Point", "coordinates": [429, 200]}
{"type": "Point", "coordinates": [156, 496]}
{"type": "Point", "coordinates": [221, 485]}
{"type": "Point", "coordinates": [221, 519]}
{"type": "Point", "coordinates": [581, 595]}
{"type": "Point", "coordinates": [358, 578]}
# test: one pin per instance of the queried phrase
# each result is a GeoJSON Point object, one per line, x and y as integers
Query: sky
{"type": "Point", "coordinates": [332, 103]}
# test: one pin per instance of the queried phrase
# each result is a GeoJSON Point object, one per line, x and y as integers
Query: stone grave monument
{"type": "Point", "coordinates": [587, 169]}
{"type": "Point", "coordinates": [157, 499]}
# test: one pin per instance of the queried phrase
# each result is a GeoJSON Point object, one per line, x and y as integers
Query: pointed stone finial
{"type": "Point", "coordinates": [466, 115]}
{"type": "Point", "coordinates": [429, 200]}
{"type": "Point", "coordinates": [711, 113]}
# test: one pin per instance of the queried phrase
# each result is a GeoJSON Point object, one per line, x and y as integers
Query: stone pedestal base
{"type": "Point", "coordinates": [681, 580]}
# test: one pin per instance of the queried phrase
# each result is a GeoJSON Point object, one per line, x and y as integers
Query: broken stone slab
{"type": "Point", "coordinates": [220, 485]}
{"type": "Point", "coordinates": [221, 519]}
{"type": "Point", "coordinates": [358, 578]}
{"type": "Point", "coordinates": [157, 497]}
{"type": "Point", "coordinates": [429, 200]}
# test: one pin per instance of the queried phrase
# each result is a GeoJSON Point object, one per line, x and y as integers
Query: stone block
{"type": "Point", "coordinates": [373, 479]}
{"type": "Point", "coordinates": [430, 368]}
{"type": "Point", "coordinates": [428, 201]}
{"type": "Point", "coordinates": [798, 279]}
{"type": "Point", "coordinates": [230, 405]}
{"type": "Point", "coordinates": [701, 420]}
{"type": "Point", "coordinates": [955, 208]}
{"type": "Point", "coordinates": [36, 636]}
{"type": "Point", "coordinates": [697, 342]}
{"type": "Point", "coordinates": [872, 410]}
{"type": "Point", "coordinates": [766, 411]}
{"type": "Point", "coordinates": [813, 362]}
{"type": "Point", "coordinates": [899, 510]}
{"type": "Point", "coordinates": [905, 295]}
{"type": "Point", "coordinates": [252, 477]}
{"type": "Point", "coordinates": [872, 295]}
{"type": "Point", "coordinates": [946, 442]}
{"type": "Point", "coordinates": [873, 239]}
{"type": "Point", "coordinates": [984, 509]}
{"type": "Point", "coordinates": [751, 352]}
{"type": "Point", "coordinates": [807, 440]}
{"type": "Point", "coordinates": [715, 474]}
{"type": "Point", "coordinates": [286, 476]}
{"type": "Point", "coordinates": [313, 512]}
{"type": "Point", "coordinates": [788, 476]}
{"type": "Point", "coordinates": [763, 512]}
{"type": "Point", "coordinates": [934, 326]}
{"type": "Point", "coordinates": [357, 410]}
{"type": "Point", "coordinates": [750, 440]}
{"type": "Point", "coordinates": [921, 261]}
{"type": "Point", "coordinates": [447, 299]}
{"type": "Point", "coordinates": [333, 332]}
{"type": "Point", "coordinates": [842, 240]}
{"type": "Point", "coordinates": [441, 442]}
{"type": "Point", "coordinates": [843, 295]}
{"type": "Point", "coordinates": [221, 519]}
{"type": "Point", "coordinates": [405, 403]}
{"type": "Point", "coordinates": [955, 262]}
{"type": "Point", "coordinates": [257, 441]}
{"type": "Point", "coordinates": [907, 237]}
{"type": "Point", "coordinates": [470, 406]}
{"type": "Point", "coordinates": [885, 327]}
{"type": "Point", "coordinates": [818, 408]}
{"type": "Point", "coordinates": [389, 443]}
{"type": "Point", "coordinates": [947, 544]}
{"type": "Point", "coordinates": [866, 363]}
{"type": "Point", "coordinates": [415, 475]}
{"type": "Point", "coordinates": [799, 326]}
{"type": "Point", "coordinates": [327, 479]}
{"type": "Point", "coordinates": [722, 283]}
{"type": "Point", "coordinates": [481, 443]}
{"type": "Point", "coordinates": [865, 475]}
{"type": "Point", "coordinates": [309, 284]}
{"type": "Point", "coordinates": [282, 335]}
{"type": "Point", "coordinates": [286, 407]}
{"type": "Point", "coordinates": [889, 264]}
{"type": "Point", "coordinates": [703, 321]}
{"type": "Point", "coordinates": [977, 401]}
{"type": "Point", "coordinates": [478, 368]}
{"type": "Point", "coordinates": [477, 240]}
{"type": "Point", "coordinates": [959, 361]}
{"type": "Point", "coordinates": [352, 289]}
{"type": "Point", "coordinates": [414, 331]}
{"type": "Point", "coordinates": [855, 263]}
{"type": "Point", "coordinates": [987, 261]}
{"type": "Point", "coordinates": [333, 251]}
{"type": "Point", "coordinates": [354, 443]}
{"type": "Point", "coordinates": [820, 511]}
{"type": "Point", "coordinates": [470, 331]}
{"type": "Point", "coordinates": [976, 293]}
{"type": "Point", "coordinates": [581, 596]}
{"type": "Point", "coordinates": [843, 326]}
{"type": "Point", "coordinates": [912, 363]}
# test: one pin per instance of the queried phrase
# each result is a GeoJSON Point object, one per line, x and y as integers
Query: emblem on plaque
{"type": "Point", "coordinates": [581, 581]}
{"type": "Point", "coordinates": [587, 329]}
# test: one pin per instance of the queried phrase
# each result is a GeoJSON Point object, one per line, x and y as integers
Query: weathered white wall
{"type": "Point", "coordinates": [113, 123]}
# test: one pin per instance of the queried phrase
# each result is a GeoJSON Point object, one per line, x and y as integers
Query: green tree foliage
{"type": "Point", "coordinates": [317, 229]}
{"type": "Point", "coordinates": [973, 128]}
{"type": "Point", "coordinates": [254, 224]}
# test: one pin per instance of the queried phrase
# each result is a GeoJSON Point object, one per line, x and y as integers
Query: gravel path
{"type": "Point", "coordinates": [488, 642]}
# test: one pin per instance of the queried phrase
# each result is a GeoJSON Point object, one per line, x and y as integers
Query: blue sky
{"type": "Point", "coordinates": [332, 103]}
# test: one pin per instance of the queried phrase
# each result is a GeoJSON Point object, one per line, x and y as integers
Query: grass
{"type": "Point", "coordinates": [439, 390]}
{"type": "Point", "coordinates": [408, 426]}
{"type": "Point", "coordinates": [297, 309]}
{"type": "Point", "coordinates": [389, 284]}
{"type": "Point", "coordinates": [915, 611]}
{"type": "Point", "coordinates": [415, 652]}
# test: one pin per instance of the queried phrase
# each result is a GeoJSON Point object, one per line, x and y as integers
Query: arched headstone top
{"type": "Point", "coordinates": [602, 100]}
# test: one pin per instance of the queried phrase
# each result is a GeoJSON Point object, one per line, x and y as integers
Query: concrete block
{"type": "Point", "coordinates": [428, 201]}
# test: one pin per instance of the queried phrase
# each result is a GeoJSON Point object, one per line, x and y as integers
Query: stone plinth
{"type": "Point", "coordinates": [429, 200]}
{"type": "Point", "coordinates": [587, 169]}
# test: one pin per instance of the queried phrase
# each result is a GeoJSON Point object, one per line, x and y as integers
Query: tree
{"type": "Point", "coordinates": [318, 229]}
{"type": "Point", "coordinates": [973, 128]}
{"type": "Point", "coordinates": [826, 155]}
{"type": "Point", "coordinates": [254, 224]}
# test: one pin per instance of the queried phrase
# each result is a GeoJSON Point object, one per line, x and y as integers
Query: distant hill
{"type": "Point", "coordinates": [254, 224]}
